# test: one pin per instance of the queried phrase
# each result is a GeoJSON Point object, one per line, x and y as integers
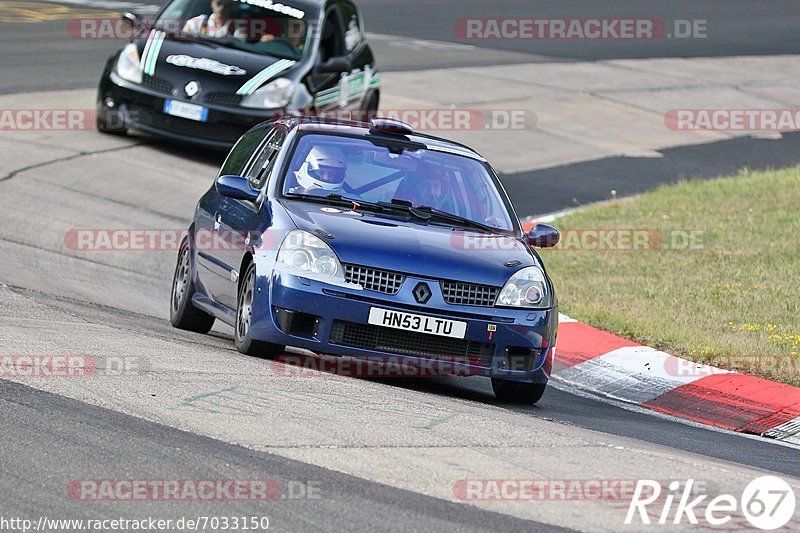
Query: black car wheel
{"type": "Point", "coordinates": [182, 314]}
{"type": "Point", "coordinates": [102, 127]}
{"type": "Point", "coordinates": [244, 320]}
{"type": "Point", "coordinates": [517, 391]}
{"type": "Point", "coordinates": [110, 122]}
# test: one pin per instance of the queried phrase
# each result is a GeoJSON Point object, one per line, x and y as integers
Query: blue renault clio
{"type": "Point", "coordinates": [370, 241]}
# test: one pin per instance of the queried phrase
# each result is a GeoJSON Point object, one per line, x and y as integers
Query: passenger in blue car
{"type": "Point", "coordinates": [431, 187]}
{"type": "Point", "coordinates": [322, 172]}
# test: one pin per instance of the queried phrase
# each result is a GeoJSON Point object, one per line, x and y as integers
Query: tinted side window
{"type": "Point", "coordinates": [261, 166]}
{"type": "Point", "coordinates": [332, 44]}
{"type": "Point", "coordinates": [243, 150]}
{"type": "Point", "coordinates": [352, 26]}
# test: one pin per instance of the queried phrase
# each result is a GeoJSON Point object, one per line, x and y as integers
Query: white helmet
{"type": "Point", "coordinates": [324, 168]}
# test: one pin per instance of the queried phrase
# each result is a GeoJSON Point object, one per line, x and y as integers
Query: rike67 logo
{"type": "Point", "coordinates": [767, 502]}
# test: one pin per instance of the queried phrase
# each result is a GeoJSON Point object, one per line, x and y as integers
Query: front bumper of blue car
{"type": "Point", "coordinates": [512, 344]}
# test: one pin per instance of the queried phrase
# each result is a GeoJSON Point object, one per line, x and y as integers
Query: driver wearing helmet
{"type": "Point", "coordinates": [323, 171]}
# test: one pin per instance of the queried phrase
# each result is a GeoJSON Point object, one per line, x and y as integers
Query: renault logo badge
{"type": "Point", "coordinates": [422, 293]}
{"type": "Point", "coordinates": [192, 88]}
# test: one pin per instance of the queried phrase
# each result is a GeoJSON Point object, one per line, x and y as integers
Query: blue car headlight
{"type": "Point", "coordinates": [526, 288]}
{"type": "Point", "coordinates": [128, 66]}
{"type": "Point", "coordinates": [304, 254]}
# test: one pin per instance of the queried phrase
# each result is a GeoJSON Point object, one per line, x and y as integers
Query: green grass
{"type": "Point", "coordinates": [737, 294]}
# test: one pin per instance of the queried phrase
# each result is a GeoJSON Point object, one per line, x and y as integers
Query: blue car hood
{"type": "Point", "coordinates": [413, 247]}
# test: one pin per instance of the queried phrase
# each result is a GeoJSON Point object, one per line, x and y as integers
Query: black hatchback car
{"type": "Point", "coordinates": [206, 71]}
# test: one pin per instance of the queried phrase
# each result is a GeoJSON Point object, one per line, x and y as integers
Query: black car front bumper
{"type": "Point", "coordinates": [141, 107]}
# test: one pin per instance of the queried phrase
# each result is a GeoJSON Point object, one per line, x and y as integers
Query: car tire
{"type": "Point", "coordinates": [182, 313]}
{"type": "Point", "coordinates": [244, 319]}
{"type": "Point", "coordinates": [104, 127]}
{"type": "Point", "coordinates": [518, 391]}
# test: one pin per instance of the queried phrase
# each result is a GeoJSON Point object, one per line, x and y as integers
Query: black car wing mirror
{"type": "Point", "coordinates": [131, 18]}
{"type": "Point", "coordinates": [334, 65]}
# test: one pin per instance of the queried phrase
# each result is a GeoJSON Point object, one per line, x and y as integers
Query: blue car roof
{"type": "Point", "coordinates": [351, 127]}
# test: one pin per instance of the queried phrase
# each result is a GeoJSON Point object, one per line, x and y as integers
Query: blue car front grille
{"type": "Point", "coordinates": [399, 342]}
{"type": "Point", "coordinates": [460, 293]}
{"type": "Point", "coordinates": [373, 279]}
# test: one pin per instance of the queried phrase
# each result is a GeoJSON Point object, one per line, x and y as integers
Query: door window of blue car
{"type": "Point", "coordinates": [243, 151]}
{"type": "Point", "coordinates": [260, 167]}
{"type": "Point", "coordinates": [357, 169]}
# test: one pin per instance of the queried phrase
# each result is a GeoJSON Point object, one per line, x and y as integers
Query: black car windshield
{"type": "Point", "coordinates": [257, 26]}
{"type": "Point", "coordinates": [359, 170]}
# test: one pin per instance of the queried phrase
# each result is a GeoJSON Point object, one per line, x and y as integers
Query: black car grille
{"type": "Point", "coordinates": [207, 131]}
{"type": "Point", "coordinates": [223, 98]}
{"type": "Point", "coordinates": [157, 84]}
{"type": "Point", "coordinates": [395, 341]}
{"type": "Point", "coordinates": [460, 293]}
{"type": "Point", "coordinates": [373, 279]}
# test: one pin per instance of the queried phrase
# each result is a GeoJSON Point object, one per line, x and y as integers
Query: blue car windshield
{"type": "Point", "coordinates": [359, 170]}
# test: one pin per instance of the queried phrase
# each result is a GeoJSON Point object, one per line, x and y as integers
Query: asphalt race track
{"type": "Point", "coordinates": [380, 454]}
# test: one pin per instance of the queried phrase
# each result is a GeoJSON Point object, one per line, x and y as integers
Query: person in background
{"type": "Point", "coordinates": [219, 24]}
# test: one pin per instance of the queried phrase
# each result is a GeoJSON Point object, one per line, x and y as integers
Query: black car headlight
{"type": "Point", "coordinates": [525, 288]}
{"type": "Point", "coordinates": [128, 66]}
{"type": "Point", "coordinates": [275, 94]}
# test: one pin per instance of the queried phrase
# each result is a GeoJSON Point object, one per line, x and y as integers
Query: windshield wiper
{"type": "Point", "coordinates": [426, 212]}
{"type": "Point", "coordinates": [338, 200]}
{"type": "Point", "coordinates": [331, 199]}
{"type": "Point", "coordinates": [438, 213]}
{"type": "Point", "coordinates": [406, 207]}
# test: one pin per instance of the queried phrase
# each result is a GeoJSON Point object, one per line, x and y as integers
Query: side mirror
{"type": "Point", "coordinates": [335, 65]}
{"type": "Point", "coordinates": [131, 18]}
{"type": "Point", "coordinates": [543, 236]}
{"type": "Point", "coordinates": [236, 187]}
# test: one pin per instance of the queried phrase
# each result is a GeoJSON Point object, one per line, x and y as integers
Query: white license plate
{"type": "Point", "coordinates": [185, 110]}
{"type": "Point", "coordinates": [418, 323]}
